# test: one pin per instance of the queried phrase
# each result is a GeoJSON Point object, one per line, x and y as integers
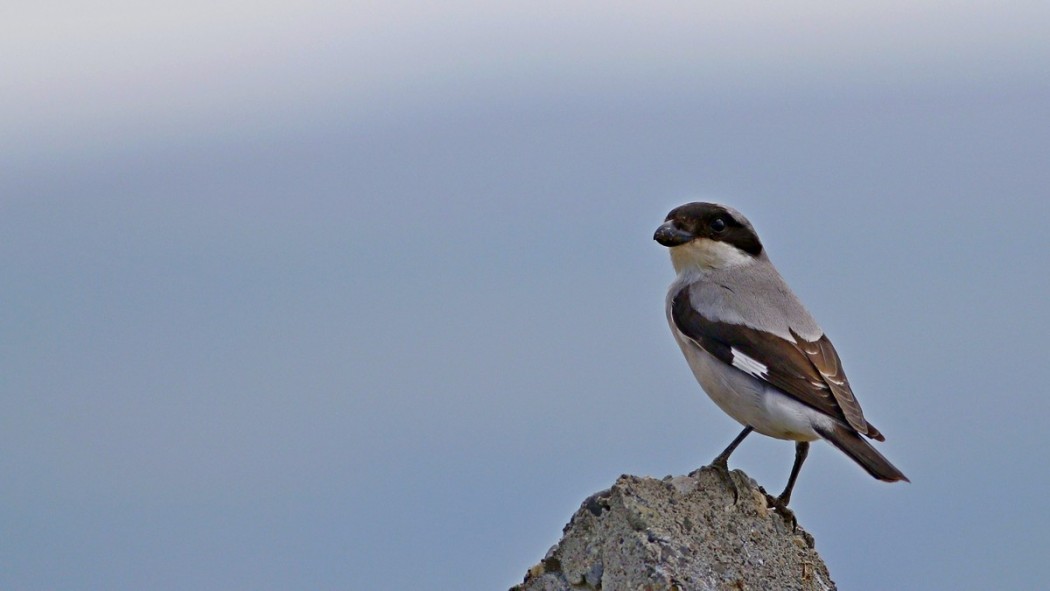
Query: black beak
{"type": "Point", "coordinates": [671, 235]}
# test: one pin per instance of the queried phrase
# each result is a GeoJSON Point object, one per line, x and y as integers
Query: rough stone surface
{"type": "Point", "coordinates": [684, 533]}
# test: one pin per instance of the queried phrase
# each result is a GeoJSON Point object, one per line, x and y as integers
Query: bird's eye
{"type": "Point", "coordinates": [717, 225]}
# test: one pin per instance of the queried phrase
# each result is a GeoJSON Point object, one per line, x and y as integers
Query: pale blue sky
{"type": "Point", "coordinates": [364, 295]}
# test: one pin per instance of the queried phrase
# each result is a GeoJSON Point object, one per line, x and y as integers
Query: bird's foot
{"type": "Point", "coordinates": [722, 468]}
{"type": "Point", "coordinates": [780, 505]}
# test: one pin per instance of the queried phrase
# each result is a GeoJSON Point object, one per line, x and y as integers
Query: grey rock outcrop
{"type": "Point", "coordinates": [685, 533]}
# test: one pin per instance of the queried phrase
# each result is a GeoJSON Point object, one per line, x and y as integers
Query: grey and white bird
{"type": "Point", "coordinates": [752, 345]}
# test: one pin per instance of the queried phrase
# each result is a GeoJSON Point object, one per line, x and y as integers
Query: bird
{"type": "Point", "coordinates": [753, 346]}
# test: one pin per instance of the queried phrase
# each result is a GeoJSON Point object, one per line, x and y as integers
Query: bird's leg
{"type": "Point", "coordinates": [721, 463]}
{"type": "Point", "coordinates": [781, 503]}
{"type": "Point", "coordinates": [722, 460]}
{"type": "Point", "coordinates": [801, 451]}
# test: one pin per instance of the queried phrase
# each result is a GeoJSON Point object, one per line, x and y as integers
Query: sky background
{"type": "Point", "coordinates": [330, 295]}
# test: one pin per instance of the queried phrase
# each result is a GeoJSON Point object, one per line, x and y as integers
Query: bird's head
{"type": "Point", "coordinates": [708, 236]}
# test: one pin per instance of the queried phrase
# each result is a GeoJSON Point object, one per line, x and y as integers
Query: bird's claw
{"type": "Point", "coordinates": [779, 504]}
{"type": "Point", "coordinates": [723, 471]}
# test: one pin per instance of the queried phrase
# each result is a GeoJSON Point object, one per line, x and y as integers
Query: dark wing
{"type": "Point", "coordinates": [821, 353]}
{"type": "Point", "coordinates": [809, 371]}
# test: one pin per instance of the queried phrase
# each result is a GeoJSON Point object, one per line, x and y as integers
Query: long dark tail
{"type": "Point", "coordinates": [854, 446]}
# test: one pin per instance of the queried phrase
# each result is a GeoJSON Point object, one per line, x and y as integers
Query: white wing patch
{"type": "Point", "coordinates": [748, 365]}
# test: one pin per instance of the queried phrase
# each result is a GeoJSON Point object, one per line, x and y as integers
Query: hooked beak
{"type": "Point", "coordinates": [671, 235]}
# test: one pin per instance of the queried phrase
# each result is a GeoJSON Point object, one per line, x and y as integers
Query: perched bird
{"type": "Point", "coordinates": [752, 345]}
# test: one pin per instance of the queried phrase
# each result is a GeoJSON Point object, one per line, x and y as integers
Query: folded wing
{"type": "Point", "coordinates": [809, 371]}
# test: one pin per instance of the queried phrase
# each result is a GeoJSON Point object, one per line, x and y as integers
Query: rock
{"type": "Point", "coordinates": [685, 534]}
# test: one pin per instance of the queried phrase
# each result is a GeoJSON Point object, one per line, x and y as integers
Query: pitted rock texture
{"type": "Point", "coordinates": [684, 533]}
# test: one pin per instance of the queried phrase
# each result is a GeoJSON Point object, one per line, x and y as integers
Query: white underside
{"type": "Point", "coordinates": [752, 402]}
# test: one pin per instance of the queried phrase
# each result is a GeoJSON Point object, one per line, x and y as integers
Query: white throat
{"type": "Point", "coordinates": [707, 254]}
